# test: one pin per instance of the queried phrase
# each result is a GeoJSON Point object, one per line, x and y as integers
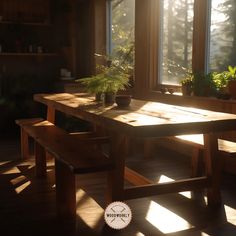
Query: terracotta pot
{"type": "Point", "coordinates": [232, 88]}
{"type": "Point", "coordinates": [186, 89]}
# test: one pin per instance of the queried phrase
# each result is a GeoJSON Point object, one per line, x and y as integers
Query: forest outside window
{"type": "Point", "coordinates": [222, 35]}
{"type": "Point", "coordinates": [121, 30]}
{"type": "Point", "coordinates": [176, 40]}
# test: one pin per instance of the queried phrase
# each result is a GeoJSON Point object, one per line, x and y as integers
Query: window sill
{"type": "Point", "coordinates": [178, 99]}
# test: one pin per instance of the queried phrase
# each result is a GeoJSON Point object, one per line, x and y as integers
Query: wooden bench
{"type": "Point", "coordinates": [24, 137]}
{"type": "Point", "coordinates": [72, 154]}
{"type": "Point", "coordinates": [227, 150]}
{"type": "Point", "coordinates": [25, 147]}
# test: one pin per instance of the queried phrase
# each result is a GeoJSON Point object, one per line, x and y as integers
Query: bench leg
{"type": "Point", "coordinates": [24, 144]}
{"type": "Point", "coordinates": [148, 148]}
{"type": "Point", "coordinates": [212, 163]}
{"type": "Point", "coordinates": [196, 162]}
{"type": "Point", "coordinates": [65, 192]}
{"type": "Point", "coordinates": [40, 160]}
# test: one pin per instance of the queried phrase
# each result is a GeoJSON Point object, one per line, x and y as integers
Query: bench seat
{"type": "Point", "coordinates": [73, 155]}
{"type": "Point", "coordinates": [225, 146]}
{"type": "Point", "coordinates": [227, 150]}
{"type": "Point", "coordinates": [67, 148]}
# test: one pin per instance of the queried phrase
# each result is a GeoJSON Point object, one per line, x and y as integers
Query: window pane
{"type": "Point", "coordinates": [122, 29]}
{"type": "Point", "coordinates": [177, 31]}
{"type": "Point", "coordinates": [222, 35]}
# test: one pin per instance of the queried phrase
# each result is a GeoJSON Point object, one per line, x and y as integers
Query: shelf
{"type": "Point", "coordinates": [25, 23]}
{"type": "Point", "coordinates": [28, 54]}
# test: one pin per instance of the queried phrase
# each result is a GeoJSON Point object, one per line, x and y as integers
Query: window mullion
{"type": "Point", "coordinates": [200, 32]}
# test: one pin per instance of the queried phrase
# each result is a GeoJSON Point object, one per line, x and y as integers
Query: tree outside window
{"type": "Point", "coordinates": [176, 43]}
{"type": "Point", "coordinates": [222, 35]}
{"type": "Point", "coordinates": [121, 25]}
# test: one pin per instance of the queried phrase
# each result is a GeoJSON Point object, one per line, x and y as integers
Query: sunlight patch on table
{"type": "Point", "coordinates": [230, 214]}
{"type": "Point", "coordinates": [165, 220]}
{"type": "Point", "coordinates": [165, 179]}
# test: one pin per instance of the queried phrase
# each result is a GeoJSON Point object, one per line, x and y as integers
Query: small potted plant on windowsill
{"type": "Point", "coordinates": [187, 85]}
{"type": "Point", "coordinates": [112, 77]}
{"type": "Point", "coordinates": [221, 84]}
{"type": "Point", "coordinates": [232, 81]}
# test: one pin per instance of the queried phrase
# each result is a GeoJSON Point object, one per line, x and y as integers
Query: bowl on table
{"type": "Point", "coordinates": [123, 100]}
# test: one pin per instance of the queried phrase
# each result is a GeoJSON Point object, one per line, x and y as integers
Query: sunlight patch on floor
{"type": "Point", "coordinates": [79, 194]}
{"type": "Point", "coordinates": [22, 187]}
{"type": "Point", "coordinates": [139, 234]}
{"type": "Point", "coordinates": [2, 163]}
{"type": "Point", "coordinates": [204, 234]}
{"type": "Point", "coordinates": [13, 170]}
{"type": "Point", "coordinates": [165, 179]}
{"type": "Point", "coordinates": [165, 220]}
{"type": "Point", "coordinates": [230, 214]}
{"type": "Point", "coordinates": [205, 200]}
{"type": "Point", "coordinates": [91, 206]}
{"type": "Point", "coordinates": [18, 179]}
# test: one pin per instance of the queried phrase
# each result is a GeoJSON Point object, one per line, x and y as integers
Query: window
{"type": "Point", "coordinates": [176, 40]}
{"type": "Point", "coordinates": [222, 35]}
{"type": "Point", "coordinates": [121, 29]}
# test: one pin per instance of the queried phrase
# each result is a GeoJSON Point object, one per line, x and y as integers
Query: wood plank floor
{"type": "Point", "coordinates": [27, 204]}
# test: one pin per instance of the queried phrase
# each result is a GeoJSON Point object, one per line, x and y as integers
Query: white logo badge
{"type": "Point", "coordinates": [117, 215]}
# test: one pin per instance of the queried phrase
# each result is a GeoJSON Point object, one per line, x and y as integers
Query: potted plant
{"type": "Point", "coordinates": [203, 85]}
{"type": "Point", "coordinates": [187, 85]}
{"type": "Point", "coordinates": [112, 77]}
{"type": "Point", "coordinates": [221, 84]}
{"type": "Point", "coordinates": [231, 73]}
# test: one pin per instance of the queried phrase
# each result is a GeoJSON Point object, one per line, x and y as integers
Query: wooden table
{"type": "Point", "coordinates": [147, 119]}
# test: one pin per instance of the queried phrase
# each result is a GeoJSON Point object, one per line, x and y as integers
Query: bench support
{"type": "Point", "coordinates": [196, 162]}
{"type": "Point", "coordinates": [24, 144]}
{"type": "Point", "coordinates": [65, 191]}
{"type": "Point", "coordinates": [40, 160]}
{"type": "Point", "coordinates": [25, 150]}
{"type": "Point", "coordinates": [212, 163]}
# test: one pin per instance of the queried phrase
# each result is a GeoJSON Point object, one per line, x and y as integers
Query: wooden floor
{"type": "Point", "coordinates": [27, 204]}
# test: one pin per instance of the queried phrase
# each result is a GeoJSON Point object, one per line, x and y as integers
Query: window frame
{"type": "Point", "coordinates": [199, 44]}
{"type": "Point", "coordinates": [148, 19]}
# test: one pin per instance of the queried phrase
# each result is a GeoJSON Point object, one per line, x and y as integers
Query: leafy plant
{"type": "Point", "coordinates": [188, 80]}
{"type": "Point", "coordinates": [231, 72]}
{"type": "Point", "coordinates": [220, 79]}
{"type": "Point", "coordinates": [203, 85]}
{"type": "Point", "coordinates": [111, 78]}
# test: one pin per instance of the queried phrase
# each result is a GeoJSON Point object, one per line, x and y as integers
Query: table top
{"type": "Point", "coordinates": [141, 118]}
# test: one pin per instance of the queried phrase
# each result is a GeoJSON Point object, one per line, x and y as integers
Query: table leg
{"type": "Point", "coordinates": [50, 118]}
{"type": "Point", "coordinates": [115, 190]}
{"type": "Point", "coordinates": [212, 163]}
